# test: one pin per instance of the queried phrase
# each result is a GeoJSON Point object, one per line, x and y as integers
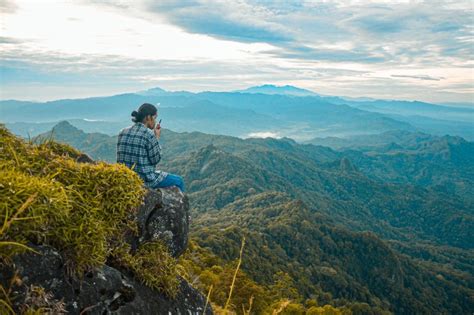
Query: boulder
{"type": "Point", "coordinates": [164, 215]}
{"type": "Point", "coordinates": [85, 158]}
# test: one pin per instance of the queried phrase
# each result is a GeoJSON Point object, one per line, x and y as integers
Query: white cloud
{"type": "Point", "coordinates": [74, 28]}
{"type": "Point", "coordinates": [264, 134]}
{"type": "Point", "coordinates": [386, 49]}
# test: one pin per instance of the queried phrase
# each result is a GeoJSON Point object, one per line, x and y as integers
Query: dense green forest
{"type": "Point", "coordinates": [359, 228]}
{"type": "Point", "coordinates": [444, 163]}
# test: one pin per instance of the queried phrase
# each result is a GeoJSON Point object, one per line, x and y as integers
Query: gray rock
{"type": "Point", "coordinates": [164, 215]}
{"type": "Point", "coordinates": [104, 290]}
{"type": "Point", "coordinates": [85, 158]}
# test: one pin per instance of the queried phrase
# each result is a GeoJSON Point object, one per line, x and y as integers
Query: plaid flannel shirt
{"type": "Point", "coordinates": [139, 149]}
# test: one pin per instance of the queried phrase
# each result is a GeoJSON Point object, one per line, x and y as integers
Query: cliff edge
{"type": "Point", "coordinates": [85, 237]}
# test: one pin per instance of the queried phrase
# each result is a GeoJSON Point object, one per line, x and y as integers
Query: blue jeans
{"type": "Point", "coordinates": [172, 180]}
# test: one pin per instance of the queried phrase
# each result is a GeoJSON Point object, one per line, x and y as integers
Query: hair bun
{"type": "Point", "coordinates": [134, 113]}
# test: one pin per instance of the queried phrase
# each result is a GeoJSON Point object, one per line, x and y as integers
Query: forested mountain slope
{"type": "Point", "coordinates": [304, 209]}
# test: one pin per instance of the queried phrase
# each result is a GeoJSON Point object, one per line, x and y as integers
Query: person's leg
{"type": "Point", "coordinates": [172, 180]}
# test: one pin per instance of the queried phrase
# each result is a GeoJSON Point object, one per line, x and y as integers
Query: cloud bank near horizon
{"type": "Point", "coordinates": [398, 50]}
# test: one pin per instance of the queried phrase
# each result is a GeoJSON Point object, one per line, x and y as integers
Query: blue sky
{"type": "Point", "coordinates": [382, 49]}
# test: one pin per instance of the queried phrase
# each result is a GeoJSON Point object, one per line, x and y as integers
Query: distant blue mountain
{"type": "Point", "coordinates": [303, 116]}
{"type": "Point", "coordinates": [412, 108]}
{"type": "Point", "coordinates": [283, 111]}
{"type": "Point", "coordinates": [283, 90]}
{"type": "Point", "coordinates": [152, 92]}
{"type": "Point", "coordinates": [459, 104]}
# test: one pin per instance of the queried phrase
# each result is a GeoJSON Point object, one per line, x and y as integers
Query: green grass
{"type": "Point", "coordinates": [83, 210]}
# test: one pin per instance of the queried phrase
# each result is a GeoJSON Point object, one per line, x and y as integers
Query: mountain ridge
{"type": "Point", "coordinates": [298, 117]}
{"type": "Point", "coordinates": [275, 89]}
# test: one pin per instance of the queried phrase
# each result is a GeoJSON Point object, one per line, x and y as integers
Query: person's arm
{"type": "Point", "coordinates": [153, 150]}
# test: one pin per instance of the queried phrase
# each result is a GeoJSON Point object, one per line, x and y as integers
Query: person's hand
{"type": "Point", "coordinates": [157, 130]}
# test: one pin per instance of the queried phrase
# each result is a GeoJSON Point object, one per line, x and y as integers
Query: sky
{"type": "Point", "coordinates": [406, 50]}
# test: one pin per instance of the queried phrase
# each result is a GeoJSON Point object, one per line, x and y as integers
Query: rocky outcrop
{"type": "Point", "coordinates": [164, 216]}
{"type": "Point", "coordinates": [103, 290]}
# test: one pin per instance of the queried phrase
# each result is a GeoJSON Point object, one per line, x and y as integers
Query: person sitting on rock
{"type": "Point", "coordinates": [139, 149]}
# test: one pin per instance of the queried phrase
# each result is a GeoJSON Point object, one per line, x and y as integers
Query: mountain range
{"type": "Point", "coordinates": [259, 111]}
